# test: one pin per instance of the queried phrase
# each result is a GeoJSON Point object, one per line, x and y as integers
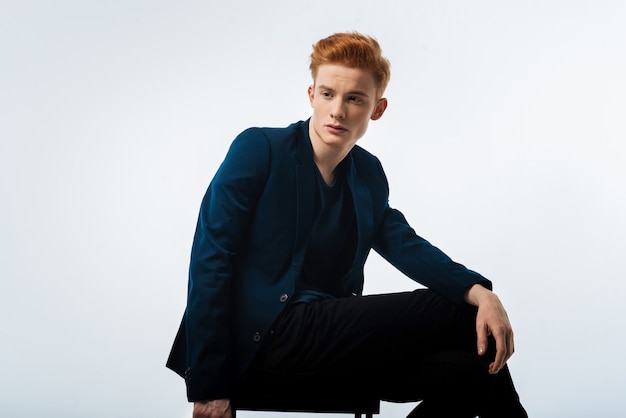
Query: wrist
{"type": "Point", "coordinates": [476, 294]}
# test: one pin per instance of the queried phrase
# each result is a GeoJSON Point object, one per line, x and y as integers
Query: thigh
{"type": "Point", "coordinates": [383, 331]}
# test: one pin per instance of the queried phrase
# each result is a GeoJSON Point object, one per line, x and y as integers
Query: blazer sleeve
{"type": "Point", "coordinates": [397, 242]}
{"type": "Point", "coordinates": [225, 213]}
{"type": "Point", "coordinates": [414, 256]}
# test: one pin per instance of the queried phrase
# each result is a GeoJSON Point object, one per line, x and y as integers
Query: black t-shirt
{"type": "Point", "coordinates": [332, 241]}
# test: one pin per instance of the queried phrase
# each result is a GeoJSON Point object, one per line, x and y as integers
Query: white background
{"type": "Point", "coordinates": [504, 144]}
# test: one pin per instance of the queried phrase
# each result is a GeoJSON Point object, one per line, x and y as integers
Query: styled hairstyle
{"type": "Point", "coordinates": [354, 50]}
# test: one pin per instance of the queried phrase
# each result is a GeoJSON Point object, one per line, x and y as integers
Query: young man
{"type": "Point", "coordinates": [276, 271]}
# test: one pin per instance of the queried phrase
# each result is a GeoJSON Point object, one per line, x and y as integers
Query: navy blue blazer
{"type": "Point", "coordinates": [250, 244]}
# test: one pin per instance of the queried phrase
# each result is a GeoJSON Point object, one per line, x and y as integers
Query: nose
{"type": "Point", "coordinates": [338, 111]}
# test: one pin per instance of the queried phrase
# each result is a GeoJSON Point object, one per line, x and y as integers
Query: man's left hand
{"type": "Point", "coordinates": [491, 319]}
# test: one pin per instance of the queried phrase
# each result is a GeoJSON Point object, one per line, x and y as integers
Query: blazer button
{"type": "Point", "coordinates": [284, 297]}
{"type": "Point", "coordinates": [257, 337]}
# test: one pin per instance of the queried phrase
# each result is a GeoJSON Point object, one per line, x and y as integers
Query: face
{"type": "Point", "coordinates": [344, 100]}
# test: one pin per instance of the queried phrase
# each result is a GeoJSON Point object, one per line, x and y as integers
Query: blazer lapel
{"type": "Point", "coordinates": [305, 192]}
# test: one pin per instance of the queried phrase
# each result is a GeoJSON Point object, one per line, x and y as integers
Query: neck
{"type": "Point", "coordinates": [327, 157]}
{"type": "Point", "coordinates": [327, 171]}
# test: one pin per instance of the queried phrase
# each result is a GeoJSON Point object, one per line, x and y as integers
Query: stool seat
{"type": "Point", "coordinates": [264, 390]}
{"type": "Point", "coordinates": [340, 403]}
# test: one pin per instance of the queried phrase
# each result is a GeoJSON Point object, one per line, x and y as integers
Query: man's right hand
{"type": "Point", "coordinates": [218, 408]}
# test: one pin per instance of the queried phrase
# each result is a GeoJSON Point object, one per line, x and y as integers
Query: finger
{"type": "Point", "coordinates": [511, 345]}
{"type": "Point", "coordinates": [481, 339]}
{"type": "Point", "coordinates": [501, 352]}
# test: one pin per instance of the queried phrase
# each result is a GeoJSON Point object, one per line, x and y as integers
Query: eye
{"type": "Point", "coordinates": [355, 99]}
{"type": "Point", "coordinates": [326, 94]}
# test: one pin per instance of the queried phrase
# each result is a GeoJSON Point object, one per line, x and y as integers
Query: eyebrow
{"type": "Point", "coordinates": [355, 92]}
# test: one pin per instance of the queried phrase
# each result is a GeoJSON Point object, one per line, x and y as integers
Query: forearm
{"type": "Point", "coordinates": [423, 262]}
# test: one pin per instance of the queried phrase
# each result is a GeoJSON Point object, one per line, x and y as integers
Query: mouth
{"type": "Point", "coordinates": [336, 129]}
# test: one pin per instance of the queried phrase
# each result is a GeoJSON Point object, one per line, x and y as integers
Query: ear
{"type": "Point", "coordinates": [311, 93]}
{"type": "Point", "coordinates": [379, 109]}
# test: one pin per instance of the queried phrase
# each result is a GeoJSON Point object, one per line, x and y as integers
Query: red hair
{"type": "Point", "coordinates": [354, 50]}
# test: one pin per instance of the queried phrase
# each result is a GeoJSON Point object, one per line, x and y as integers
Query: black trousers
{"type": "Point", "coordinates": [402, 347]}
